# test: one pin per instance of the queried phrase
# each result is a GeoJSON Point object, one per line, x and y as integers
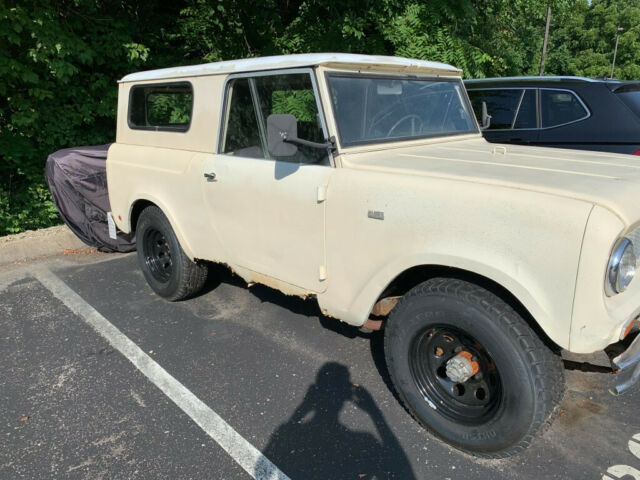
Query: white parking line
{"type": "Point", "coordinates": [245, 454]}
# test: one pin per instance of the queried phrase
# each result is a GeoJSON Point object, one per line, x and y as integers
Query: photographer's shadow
{"type": "Point", "coordinates": [314, 444]}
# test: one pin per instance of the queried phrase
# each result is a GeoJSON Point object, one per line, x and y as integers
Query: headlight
{"type": "Point", "coordinates": [622, 267]}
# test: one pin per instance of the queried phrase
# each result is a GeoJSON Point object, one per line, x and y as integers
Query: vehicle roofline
{"type": "Point", "coordinates": [537, 79]}
{"type": "Point", "coordinates": [301, 60]}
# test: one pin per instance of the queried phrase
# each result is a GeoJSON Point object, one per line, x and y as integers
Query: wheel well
{"type": "Point", "coordinates": [416, 275]}
{"type": "Point", "coordinates": [136, 210]}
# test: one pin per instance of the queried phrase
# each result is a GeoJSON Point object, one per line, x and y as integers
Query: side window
{"type": "Point", "coordinates": [242, 137]}
{"type": "Point", "coordinates": [526, 117]}
{"type": "Point", "coordinates": [161, 107]}
{"type": "Point", "coordinates": [250, 102]}
{"type": "Point", "coordinates": [293, 94]}
{"type": "Point", "coordinates": [501, 105]}
{"type": "Point", "coordinates": [559, 107]}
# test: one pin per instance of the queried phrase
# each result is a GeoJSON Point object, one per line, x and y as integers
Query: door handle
{"type": "Point", "coordinates": [211, 176]}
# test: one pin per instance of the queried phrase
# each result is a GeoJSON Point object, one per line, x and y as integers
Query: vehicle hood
{"type": "Point", "coordinates": [606, 179]}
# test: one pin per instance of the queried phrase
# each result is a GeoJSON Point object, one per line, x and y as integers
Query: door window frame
{"type": "Point", "coordinates": [517, 110]}
{"type": "Point", "coordinates": [226, 102]}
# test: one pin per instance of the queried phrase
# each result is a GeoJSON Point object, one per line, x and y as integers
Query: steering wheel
{"type": "Point", "coordinates": [413, 117]}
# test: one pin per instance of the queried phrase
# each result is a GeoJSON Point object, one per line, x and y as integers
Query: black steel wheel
{"type": "Point", "coordinates": [470, 369]}
{"type": "Point", "coordinates": [471, 402]}
{"type": "Point", "coordinates": [157, 254]}
{"type": "Point", "coordinates": [168, 271]}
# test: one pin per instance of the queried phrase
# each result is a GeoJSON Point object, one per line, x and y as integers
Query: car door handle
{"type": "Point", "coordinates": [211, 176]}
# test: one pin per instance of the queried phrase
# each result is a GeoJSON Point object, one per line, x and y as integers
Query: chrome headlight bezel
{"type": "Point", "coordinates": [622, 248]}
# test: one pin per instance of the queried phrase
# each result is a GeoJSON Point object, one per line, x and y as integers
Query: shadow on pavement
{"type": "Point", "coordinates": [314, 444]}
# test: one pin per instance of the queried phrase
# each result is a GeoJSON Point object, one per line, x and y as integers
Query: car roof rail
{"type": "Point", "coordinates": [535, 78]}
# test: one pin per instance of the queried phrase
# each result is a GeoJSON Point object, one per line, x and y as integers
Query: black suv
{"type": "Point", "coordinates": [566, 112]}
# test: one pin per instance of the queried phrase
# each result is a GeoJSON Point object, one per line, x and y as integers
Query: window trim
{"type": "Point", "coordinates": [515, 116]}
{"type": "Point", "coordinates": [364, 143]}
{"type": "Point", "coordinates": [226, 102]}
{"type": "Point", "coordinates": [538, 107]}
{"type": "Point", "coordinates": [178, 129]}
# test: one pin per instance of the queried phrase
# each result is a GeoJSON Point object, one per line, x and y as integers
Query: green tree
{"type": "Point", "coordinates": [60, 59]}
{"type": "Point", "coordinates": [59, 63]}
{"type": "Point", "coordinates": [584, 42]}
{"type": "Point", "coordinates": [439, 31]}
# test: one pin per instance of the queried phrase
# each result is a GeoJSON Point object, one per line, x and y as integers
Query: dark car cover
{"type": "Point", "coordinates": [77, 178]}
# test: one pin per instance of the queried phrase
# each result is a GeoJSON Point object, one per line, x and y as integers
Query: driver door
{"type": "Point", "coordinates": [268, 211]}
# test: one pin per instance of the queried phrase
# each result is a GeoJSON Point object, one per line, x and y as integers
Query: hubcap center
{"type": "Point", "coordinates": [462, 367]}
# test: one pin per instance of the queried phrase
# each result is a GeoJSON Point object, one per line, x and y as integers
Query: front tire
{"type": "Point", "coordinates": [503, 384]}
{"type": "Point", "coordinates": [168, 271]}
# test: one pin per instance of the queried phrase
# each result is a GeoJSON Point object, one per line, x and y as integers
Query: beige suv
{"type": "Point", "coordinates": [364, 182]}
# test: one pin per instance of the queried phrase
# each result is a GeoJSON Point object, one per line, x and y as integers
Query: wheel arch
{"type": "Point", "coordinates": [413, 276]}
{"type": "Point", "coordinates": [141, 203]}
{"type": "Point", "coordinates": [136, 209]}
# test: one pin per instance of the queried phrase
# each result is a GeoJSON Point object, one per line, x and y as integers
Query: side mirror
{"type": "Point", "coordinates": [486, 118]}
{"type": "Point", "coordinates": [281, 127]}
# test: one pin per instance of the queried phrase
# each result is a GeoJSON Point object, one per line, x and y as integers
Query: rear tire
{"type": "Point", "coordinates": [518, 381]}
{"type": "Point", "coordinates": [168, 271]}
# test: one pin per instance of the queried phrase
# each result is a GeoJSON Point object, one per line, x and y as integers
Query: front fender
{"type": "Point", "coordinates": [528, 242]}
{"type": "Point", "coordinates": [368, 296]}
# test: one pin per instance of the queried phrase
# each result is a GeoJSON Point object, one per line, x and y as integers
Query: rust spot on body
{"type": "Point", "coordinates": [373, 324]}
{"type": "Point", "coordinates": [279, 285]}
{"type": "Point", "coordinates": [384, 306]}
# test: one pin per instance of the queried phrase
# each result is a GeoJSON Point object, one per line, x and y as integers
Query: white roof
{"type": "Point", "coordinates": [369, 62]}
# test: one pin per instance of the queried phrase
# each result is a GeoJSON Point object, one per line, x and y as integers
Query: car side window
{"type": "Point", "coordinates": [501, 105]}
{"type": "Point", "coordinates": [293, 94]}
{"type": "Point", "coordinates": [250, 101]}
{"type": "Point", "coordinates": [559, 107]}
{"type": "Point", "coordinates": [526, 116]}
{"type": "Point", "coordinates": [161, 107]}
{"type": "Point", "coordinates": [242, 136]}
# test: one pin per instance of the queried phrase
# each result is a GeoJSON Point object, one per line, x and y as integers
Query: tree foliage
{"type": "Point", "coordinates": [584, 41]}
{"type": "Point", "coordinates": [60, 59]}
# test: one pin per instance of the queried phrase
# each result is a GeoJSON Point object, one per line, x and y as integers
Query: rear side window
{"type": "Point", "coordinates": [559, 107]}
{"type": "Point", "coordinates": [501, 105]}
{"type": "Point", "coordinates": [161, 107]}
{"type": "Point", "coordinates": [631, 98]}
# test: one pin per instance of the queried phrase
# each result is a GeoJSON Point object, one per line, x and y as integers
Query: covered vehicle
{"type": "Point", "coordinates": [77, 179]}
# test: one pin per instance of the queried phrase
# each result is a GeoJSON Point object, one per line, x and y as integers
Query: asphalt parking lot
{"type": "Point", "coordinates": [100, 378]}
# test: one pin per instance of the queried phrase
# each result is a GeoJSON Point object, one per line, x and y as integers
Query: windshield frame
{"type": "Point", "coordinates": [328, 74]}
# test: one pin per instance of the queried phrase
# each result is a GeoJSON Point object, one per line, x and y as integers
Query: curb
{"type": "Point", "coordinates": [38, 243]}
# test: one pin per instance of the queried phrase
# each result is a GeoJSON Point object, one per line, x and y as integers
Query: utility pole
{"type": "Point", "coordinates": [544, 42]}
{"type": "Point", "coordinates": [615, 50]}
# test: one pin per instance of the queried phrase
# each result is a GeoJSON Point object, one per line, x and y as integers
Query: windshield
{"type": "Point", "coordinates": [374, 108]}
